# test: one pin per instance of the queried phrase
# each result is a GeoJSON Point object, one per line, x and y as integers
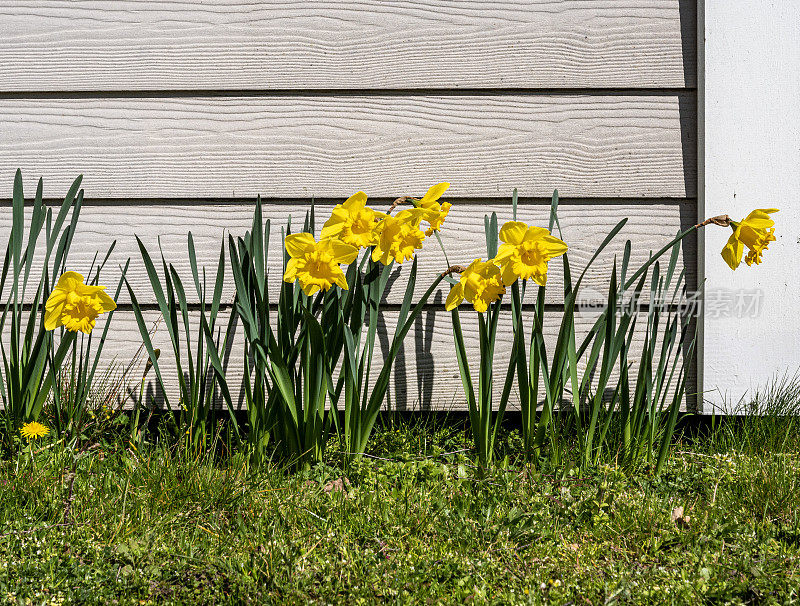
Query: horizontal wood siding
{"type": "Point", "coordinates": [584, 225]}
{"type": "Point", "coordinates": [180, 113]}
{"type": "Point", "coordinates": [77, 45]}
{"type": "Point", "coordinates": [332, 146]}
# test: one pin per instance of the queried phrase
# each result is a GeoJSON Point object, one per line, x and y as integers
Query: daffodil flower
{"type": "Point", "coordinates": [436, 212]}
{"type": "Point", "coordinates": [480, 284]}
{"type": "Point", "coordinates": [75, 305]}
{"type": "Point", "coordinates": [526, 251]}
{"type": "Point", "coordinates": [399, 236]}
{"type": "Point", "coordinates": [353, 222]}
{"type": "Point", "coordinates": [316, 264]}
{"type": "Point", "coordinates": [755, 231]}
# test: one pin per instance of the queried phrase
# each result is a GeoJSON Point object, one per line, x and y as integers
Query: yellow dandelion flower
{"type": "Point", "coordinates": [34, 431]}
{"type": "Point", "coordinates": [75, 305]}
{"type": "Point", "coordinates": [316, 264]}
{"type": "Point", "coordinates": [399, 236]}
{"type": "Point", "coordinates": [755, 231]}
{"type": "Point", "coordinates": [526, 252]}
{"type": "Point", "coordinates": [353, 222]}
{"type": "Point", "coordinates": [480, 284]}
{"type": "Point", "coordinates": [436, 211]}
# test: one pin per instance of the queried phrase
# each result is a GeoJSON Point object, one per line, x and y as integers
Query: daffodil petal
{"type": "Point", "coordinates": [412, 215]}
{"type": "Point", "coordinates": [513, 232]}
{"type": "Point", "coordinates": [333, 226]}
{"type": "Point", "coordinates": [553, 247]}
{"type": "Point", "coordinates": [760, 219]}
{"type": "Point", "coordinates": [455, 297]}
{"type": "Point", "coordinates": [56, 298]}
{"type": "Point", "coordinates": [540, 278]}
{"type": "Point", "coordinates": [534, 232]}
{"type": "Point", "coordinates": [52, 317]}
{"type": "Point", "coordinates": [434, 193]}
{"type": "Point", "coordinates": [357, 200]}
{"type": "Point", "coordinates": [504, 253]}
{"type": "Point", "coordinates": [106, 302]}
{"type": "Point", "coordinates": [340, 280]}
{"type": "Point", "coordinates": [509, 277]}
{"type": "Point", "coordinates": [342, 253]}
{"type": "Point", "coordinates": [68, 280]}
{"type": "Point", "coordinates": [298, 245]}
{"type": "Point", "coordinates": [732, 253]}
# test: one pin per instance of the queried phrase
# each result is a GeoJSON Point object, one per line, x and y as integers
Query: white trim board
{"type": "Point", "coordinates": [751, 142]}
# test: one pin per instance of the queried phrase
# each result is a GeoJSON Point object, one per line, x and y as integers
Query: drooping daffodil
{"type": "Point", "coordinates": [480, 284]}
{"type": "Point", "coordinates": [526, 251]}
{"type": "Point", "coordinates": [315, 265]}
{"type": "Point", "coordinates": [755, 232]}
{"type": "Point", "coordinates": [353, 222]}
{"type": "Point", "coordinates": [75, 305]}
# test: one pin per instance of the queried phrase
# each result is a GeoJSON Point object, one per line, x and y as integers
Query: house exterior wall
{"type": "Point", "coordinates": [180, 113]}
{"type": "Point", "coordinates": [752, 160]}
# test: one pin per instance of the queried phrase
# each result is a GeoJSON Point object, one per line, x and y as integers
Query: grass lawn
{"type": "Point", "coordinates": [720, 525]}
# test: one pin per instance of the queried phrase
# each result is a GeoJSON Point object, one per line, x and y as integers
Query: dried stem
{"type": "Point", "coordinates": [398, 202]}
{"type": "Point", "coordinates": [721, 220]}
{"type": "Point", "coordinates": [454, 269]}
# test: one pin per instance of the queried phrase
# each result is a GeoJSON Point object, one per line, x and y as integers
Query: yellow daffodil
{"type": "Point", "coordinates": [399, 236]}
{"type": "Point", "coordinates": [436, 212]}
{"type": "Point", "coordinates": [526, 251]}
{"type": "Point", "coordinates": [480, 284]}
{"type": "Point", "coordinates": [353, 222]}
{"type": "Point", "coordinates": [75, 305]}
{"type": "Point", "coordinates": [34, 431]}
{"type": "Point", "coordinates": [755, 231]}
{"type": "Point", "coordinates": [316, 264]}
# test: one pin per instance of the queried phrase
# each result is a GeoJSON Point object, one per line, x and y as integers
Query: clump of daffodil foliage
{"type": "Point", "coordinates": [311, 370]}
{"type": "Point", "coordinates": [311, 367]}
{"type": "Point", "coordinates": [48, 317]}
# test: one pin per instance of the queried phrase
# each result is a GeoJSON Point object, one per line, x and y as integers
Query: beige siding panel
{"type": "Point", "coordinates": [425, 374]}
{"type": "Point", "coordinates": [331, 146]}
{"type": "Point", "coordinates": [584, 227]}
{"type": "Point", "coordinates": [235, 44]}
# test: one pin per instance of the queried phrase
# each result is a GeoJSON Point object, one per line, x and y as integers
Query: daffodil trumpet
{"type": "Point", "coordinates": [399, 237]}
{"type": "Point", "coordinates": [480, 284]}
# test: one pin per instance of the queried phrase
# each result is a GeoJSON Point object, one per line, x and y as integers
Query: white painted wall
{"type": "Point", "coordinates": [752, 160]}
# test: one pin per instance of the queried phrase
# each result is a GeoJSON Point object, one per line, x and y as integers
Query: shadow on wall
{"type": "Point", "coordinates": [422, 365]}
